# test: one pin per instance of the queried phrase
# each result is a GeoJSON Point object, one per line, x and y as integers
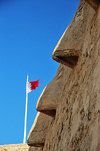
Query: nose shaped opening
{"type": "Point", "coordinates": [47, 103]}
{"type": "Point", "coordinates": [67, 57]}
{"type": "Point", "coordinates": [41, 145]}
{"type": "Point", "coordinates": [39, 130]}
{"type": "Point", "coordinates": [51, 112]}
{"type": "Point", "coordinates": [71, 61]}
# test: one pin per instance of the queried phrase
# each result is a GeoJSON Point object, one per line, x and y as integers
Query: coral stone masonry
{"type": "Point", "coordinates": [75, 95]}
{"type": "Point", "coordinates": [18, 147]}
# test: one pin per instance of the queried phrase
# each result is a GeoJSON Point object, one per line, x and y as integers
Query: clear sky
{"type": "Point", "coordinates": [29, 32]}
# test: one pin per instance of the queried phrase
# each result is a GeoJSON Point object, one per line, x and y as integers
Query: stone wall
{"type": "Point", "coordinates": [72, 98]}
{"type": "Point", "coordinates": [18, 147]}
{"type": "Point", "coordinates": [77, 122]}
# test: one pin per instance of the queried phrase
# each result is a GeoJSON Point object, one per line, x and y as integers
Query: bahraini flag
{"type": "Point", "coordinates": [32, 85]}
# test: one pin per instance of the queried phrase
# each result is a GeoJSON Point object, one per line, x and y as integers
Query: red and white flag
{"type": "Point", "coordinates": [32, 85]}
{"type": "Point", "coordinates": [29, 87]}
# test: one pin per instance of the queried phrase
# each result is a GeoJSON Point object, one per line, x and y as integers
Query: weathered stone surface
{"type": "Point", "coordinates": [39, 130]}
{"type": "Point", "coordinates": [18, 147]}
{"type": "Point", "coordinates": [69, 47]}
{"type": "Point", "coordinates": [51, 95]}
{"type": "Point", "coordinates": [94, 3]}
{"type": "Point", "coordinates": [76, 126]}
{"type": "Point", "coordinates": [35, 149]}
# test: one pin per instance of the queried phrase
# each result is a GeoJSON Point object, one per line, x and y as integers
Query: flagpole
{"type": "Point", "coordinates": [24, 139]}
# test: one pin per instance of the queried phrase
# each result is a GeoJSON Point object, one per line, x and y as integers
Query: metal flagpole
{"type": "Point", "coordinates": [24, 139]}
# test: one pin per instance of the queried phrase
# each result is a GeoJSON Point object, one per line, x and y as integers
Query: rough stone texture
{"type": "Point", "coordinates": [94, 3]}
{"type": "Point", "coordinates": [69, 47]}
{"type": "Point", "coordinates": [18, 147]}
{"type": "Point", "coordinates": [14, 147]}
{"type": "Point", "coordinates": [39, 130]}
{"type": "Point", "coordinates": [35, 149]}
{"type": "Point", "coordinates": [76, 126]}
{"type": "Point", "coordinates": [51, 95]}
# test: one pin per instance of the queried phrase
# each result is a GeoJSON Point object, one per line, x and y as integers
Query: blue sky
{"type": "Point", "coordinates": [29, 32]}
